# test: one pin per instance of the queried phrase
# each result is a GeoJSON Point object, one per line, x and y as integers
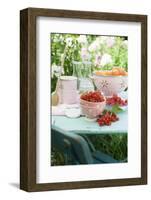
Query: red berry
{"type": "Point", "coordinates": [108, 123]}
{"type": "Point", "coordinates": [101, 123]}
{"type": "Point", "coordinates": [93, 96]}
{"type": "Point", "coordinates": [116, 100]}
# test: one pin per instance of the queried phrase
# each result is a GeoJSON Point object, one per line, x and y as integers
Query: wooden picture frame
{"type": "Point", "coordinates": [28, 98]}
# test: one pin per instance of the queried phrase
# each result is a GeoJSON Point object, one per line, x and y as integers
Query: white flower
{"type": "Point", "coordinates": [94, 46]}
{"type": "Point", "coordinates": [85, 54]}
{"type": "Point", "coordinates": [98, 58]}
{"type": "Point", "coordinates": [98, 39]}
{"type": "Point", "coordinates": [110, 41]}
{"type": "Point", "coordinates": [106, 59]}
{"type": "Point", "coordinates": [125, 43]}
{"type": "Point", "coordinates": [103, 39]}
{"type": "Point", "coordinates": [69, 41]}
{"type": "Point", "coordinates": [82, 39]}
{"type": "Point", "coordinates": [56, 70]}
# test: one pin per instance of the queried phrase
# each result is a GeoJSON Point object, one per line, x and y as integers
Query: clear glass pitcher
{"type": "Point", "coordinates": [82, 70]}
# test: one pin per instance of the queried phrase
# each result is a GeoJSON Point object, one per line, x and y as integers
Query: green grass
{"type": "Point", "coordinates": [114, 145]}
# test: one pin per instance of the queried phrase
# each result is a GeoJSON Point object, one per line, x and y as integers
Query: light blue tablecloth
{"type": "Point", "coordinates": [82, 126]}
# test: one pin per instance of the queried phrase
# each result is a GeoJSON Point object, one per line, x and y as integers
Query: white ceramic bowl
{"type": "Point", "coordinates": [110, 85]}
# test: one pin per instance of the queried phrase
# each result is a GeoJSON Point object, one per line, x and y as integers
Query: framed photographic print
{"type": "Point", "coordinates": [83, 99]}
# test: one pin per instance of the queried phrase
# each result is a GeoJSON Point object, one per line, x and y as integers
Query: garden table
{"type": "Point", "coordinates": [83, 126]}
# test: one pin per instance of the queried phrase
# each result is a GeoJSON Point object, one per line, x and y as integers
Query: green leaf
{"type": "Point", "coordinates": [116, 109]}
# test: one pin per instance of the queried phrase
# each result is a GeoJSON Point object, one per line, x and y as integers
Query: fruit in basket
{"type": "Point", "coordinates": [116, 71]}
{"type": "Point", "coordinates": [112, 81]}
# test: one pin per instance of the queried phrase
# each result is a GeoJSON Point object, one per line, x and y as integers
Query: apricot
{"type": "Point", "coordinates": [121, 71]}
{"type": "Point", "coordinates": [99, 73]}
{"type": "Point", "coordinates": [103, 73]}
{"type": "Point", "coordinates": [108, 73]}
{"type": "Point", "coordinates": [125, 73]}
{"type": "Point", "coordinates": [115, 72]}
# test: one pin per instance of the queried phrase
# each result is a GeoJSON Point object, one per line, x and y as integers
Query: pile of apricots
{"type": "Point", "coordinates": [116, 71]}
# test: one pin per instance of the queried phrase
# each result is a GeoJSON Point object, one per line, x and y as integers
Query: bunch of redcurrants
{"type": "Point", "coordinates": [116, 100]}
{"type": "Point", "coordinates": [107, 118]}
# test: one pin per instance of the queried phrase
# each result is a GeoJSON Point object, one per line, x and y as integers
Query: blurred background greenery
{"type": "Point", "coordinates": [103, 51]}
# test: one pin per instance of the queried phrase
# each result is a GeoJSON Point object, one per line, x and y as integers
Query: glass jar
{"type": "Point", "coordinates": [82, 70]}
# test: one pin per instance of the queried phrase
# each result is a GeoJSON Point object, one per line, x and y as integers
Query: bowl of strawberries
{"type": "Point", "coordinates": [92, 104]}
